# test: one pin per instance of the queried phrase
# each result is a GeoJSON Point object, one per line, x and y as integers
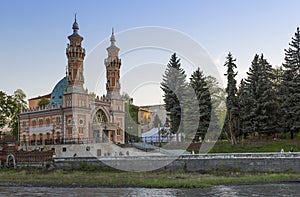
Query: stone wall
{"type": "Point", "coordinates": [278, 163]}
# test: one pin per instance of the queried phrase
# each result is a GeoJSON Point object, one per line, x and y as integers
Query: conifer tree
{"type": "Point", "coordinates": [173, 85]}
{"type": "Point", "coordinates": [266, 107]}
{"type": "Point", "coordinates": [290, 90]}
{"type": "Point", "coordinates": [244, 109]}
{"type": "Point", "coordinates": [258, 101]}
{"type": "Point", "coordinates": [198, 83]}
{"type": "Point", "coordinates": [232, 117]}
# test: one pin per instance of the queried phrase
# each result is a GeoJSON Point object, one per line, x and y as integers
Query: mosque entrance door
{"type": "Point", "coordinates": [100, 132]}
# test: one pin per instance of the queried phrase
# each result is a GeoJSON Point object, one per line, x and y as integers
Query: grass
{"type": "Point", "coordinates": [259, 146]}
{"type": "Point", "coordinates": [242, 147]}
{"type": "Point", "coordinates": [178, 179]}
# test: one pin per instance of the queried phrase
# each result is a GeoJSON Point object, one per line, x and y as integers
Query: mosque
{"type": "Point", "coordinates": [73, 115]}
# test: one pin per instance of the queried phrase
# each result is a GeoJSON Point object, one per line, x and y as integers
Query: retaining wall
{"type": "Point", "coordinates": [243, 162]}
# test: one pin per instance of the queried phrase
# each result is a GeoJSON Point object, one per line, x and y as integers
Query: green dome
{"type": "Point", "coordinates": [58, 93]}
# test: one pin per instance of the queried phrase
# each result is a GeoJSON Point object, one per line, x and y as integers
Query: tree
{"type": "Point", "coordinates": [217, 95]}
{"type": "Point", "coordinates": [277, 83]}
{"type": "Point", "coordinates": [266, 112]}
{"type": "Point", "coordinates": [245, 107]}
{"type": "Point", "coordinates": [232, 119]}
{"type": "Point", "coordinates": [250, 95]}
{"type": "Point", "coordinates": [131, 119]}
{"type": "Point", "coordinates": [290, 89]}
{"type": "Point", "coordinates": [10, 107]}
{"type": "Point", "coordinates": [198, 83]}
{"type": "Point", "coordinates": [257, 97]}
{"type": "Point", "coordinates": [173, 85]}
{"type": "Point", "coordinates": [43, 102]}
{"type": "Point", "coordinates": [93, 95]}
{"type": "Point", "coordinates": [17, 104]}
{"type": "Point", "coordinates": [4, 110]}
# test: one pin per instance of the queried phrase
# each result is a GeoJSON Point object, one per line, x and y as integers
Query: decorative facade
{"type": "Point", "coordinates": [73, 115]}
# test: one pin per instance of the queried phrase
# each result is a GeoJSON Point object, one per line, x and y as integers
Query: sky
{"type": "Point", "coordinates": [34, 37]}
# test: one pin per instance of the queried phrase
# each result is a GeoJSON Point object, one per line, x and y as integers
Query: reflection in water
{"type": "Point", "coordinates": [224, 191]}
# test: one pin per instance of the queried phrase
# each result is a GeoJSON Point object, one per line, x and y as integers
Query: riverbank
{"type": "Point", "coordinates": [178, 179]}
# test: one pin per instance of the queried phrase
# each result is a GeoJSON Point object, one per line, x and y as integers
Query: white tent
{"type": "Point", "coordinates": [152, 135]}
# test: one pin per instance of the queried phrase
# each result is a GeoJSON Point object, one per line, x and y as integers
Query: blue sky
{"type": "Point", "coordinates": [34, 33]}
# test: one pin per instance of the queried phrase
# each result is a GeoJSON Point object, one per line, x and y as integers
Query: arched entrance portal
{"type": "Point", "coordinates": [100, 126]}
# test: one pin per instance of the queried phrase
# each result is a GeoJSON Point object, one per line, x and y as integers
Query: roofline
{"type": "Point", "coordinates": [38, 97]}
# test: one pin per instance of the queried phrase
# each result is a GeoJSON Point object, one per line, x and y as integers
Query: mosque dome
{"type": "Point", "coordinates": [58, 92]}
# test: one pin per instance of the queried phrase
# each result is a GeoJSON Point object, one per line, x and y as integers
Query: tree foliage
{"type": "Point", "coordinates": [43, 102]}
{"type": "Point", "coordinates": [174, 87]}
{"type": "Point", "coordinates": [131, 119]}
{"type": "Point", "coordinates": [232, 116]}
{"type": "Point", "coordinates": [257, 99]}
{"type": "Point", "coordinates": [290, 89]}
{"type": "Point", "coordinates": [199, 84]}
{"type": "Point", "coordinates": [10, 107]}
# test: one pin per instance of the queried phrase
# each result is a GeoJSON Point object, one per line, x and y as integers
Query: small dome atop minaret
{"type": "Point", "coordinates": [113, 50]}
{"type": "Point", "coordinates": [75, 28]}
{"type": "Point", "coordinates": [75, 25]}
{"type": "Point", "coordinates": [112, 38]}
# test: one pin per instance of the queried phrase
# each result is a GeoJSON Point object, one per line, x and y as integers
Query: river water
{"type": "Point", "coordinates": [290, 189]}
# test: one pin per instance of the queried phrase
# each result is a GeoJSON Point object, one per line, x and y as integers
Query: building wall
{"type": "Point", "coordinates": [43, 124]}
{"type": "Point", "coordinates": [33, 102]}
{"type": "Point", "coordinates": [147, 115]}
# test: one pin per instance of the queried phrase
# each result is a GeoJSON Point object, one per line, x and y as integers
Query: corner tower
{"type": "Point", "coordinates": [113, 65]}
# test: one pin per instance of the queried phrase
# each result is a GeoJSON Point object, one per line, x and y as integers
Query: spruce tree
{"type": "Point", "coordinates": [258, 101]}
{"type": "Point", "coordinates": [232, 117]}
{"type": "Point", "coordinates": [290, 90]}
{"type": "Point", "coordinates": [251, 84]}
{"type": "Point", "coordinates": [173, 85]}
{"type": "Point", "coordinates": [266, 108]}
{"type": "Point", "coordinates": [245, 106]}
{"type": "Point", "coordinates": [198, 83]}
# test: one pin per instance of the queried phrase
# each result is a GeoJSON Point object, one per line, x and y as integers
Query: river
{"type": "Point", "coordinates": [287, 189]}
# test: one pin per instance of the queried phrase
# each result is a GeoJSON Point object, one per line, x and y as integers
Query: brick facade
{"type": "Point", "coordinates": [73, 115]}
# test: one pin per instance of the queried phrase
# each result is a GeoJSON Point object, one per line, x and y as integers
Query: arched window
{"type": "Point", "coordinates": [33, 140]}
{"type": "Point", "coordinates": [100, 117]}
{"type": "Point", "coordinates": [41, 138]}
{"type": "Point", "coordinates": [47, 121]}
{"type": "Point", "coordinates": [40, 122]}
{"type": "Point", "coordinates": [33, 123]}
{"type": "Point", "coordinates": [48, 136]}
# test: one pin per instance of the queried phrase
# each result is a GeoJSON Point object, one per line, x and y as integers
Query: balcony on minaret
{"type": "Point", "coordinates": [75, 52]}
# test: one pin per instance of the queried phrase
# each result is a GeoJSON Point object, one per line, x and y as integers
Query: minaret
{"type": "Point", "coordinates": [75, 53]}
{"type": "Point", "coordinates": [113, 65]}
{"type": "Point", "coordinates": [117, 104]}
{"type": "Point", "coordinates": [76, 111]}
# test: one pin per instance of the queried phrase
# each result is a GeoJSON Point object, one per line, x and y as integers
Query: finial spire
{"type": "Point", "coordinates": [75, 25]}
{"type": "Point", "coordinates": [112, 38]}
